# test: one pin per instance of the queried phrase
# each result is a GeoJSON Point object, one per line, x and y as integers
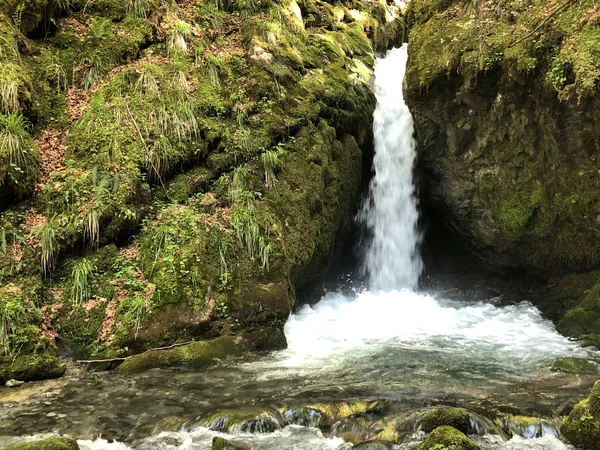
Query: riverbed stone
{"type": "Point", "coordinates": [447, 438]}
{"type": "Point", "coordinates": [582, 426]}
{"type": "Point", "coordinates": [14, 383]}
{"type": "Point", "coordinates": [46, 444]}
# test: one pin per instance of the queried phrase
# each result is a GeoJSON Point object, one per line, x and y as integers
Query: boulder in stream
{"type": "Point", "coordinates": [447, 438]}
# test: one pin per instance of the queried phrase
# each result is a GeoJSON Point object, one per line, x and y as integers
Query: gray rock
{"type": "Point", "coordinates": [14, 383]}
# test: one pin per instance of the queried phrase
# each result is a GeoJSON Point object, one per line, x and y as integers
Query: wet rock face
{"type": "Point", "coordinates": [507, 156]}
{"type": "Point", "coordinates": [513, 172]}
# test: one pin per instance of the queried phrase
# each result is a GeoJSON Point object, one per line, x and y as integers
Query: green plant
{"type": "Point", "coordinates": [13, 138]}
{"type": "Point", "coordinates": [271, 164]}
{"type": "Point", "coordinates": [146, 82]}
{"type": "Point", "coordinates": [136, 310]}
{"type": "Point", "coordinates": [3, 243]}
{"type": "Point", "coordinates": [224, 275]}
{"type": "Point", "coordinates": [157, 159]}
{"type": "Point", "coordinates": [47, 237]}
{"type": "Point", "coordinates": [177, 37]}
{"type": "Point", "coordinates": [212, 70]}
{"type": "Point", "coordinates": [137, 8]}
{"type": "Point", "coordinates": [12, 333]}
{"type": "Point", "coordinates": [82, 272]}
{"type": "Point", "coordinates": [94, 64]}
{"type": "Point", "coordinates": [9, 94]}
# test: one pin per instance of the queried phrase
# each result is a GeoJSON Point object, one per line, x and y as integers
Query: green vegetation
{"type": "Point", "coordinates": [82, 272]}
{"type": "Point", "coordinates": [558, 45]}
{"type": "Point", "coordinates": [582, 427]}
{"type": "Point", "coordinates": [183, 134]}
{"type": "Point", "coordinates": [447, 438]}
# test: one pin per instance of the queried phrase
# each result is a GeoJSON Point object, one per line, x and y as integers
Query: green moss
{"type": "Point", "coordinates": [38, 365]}
{"type": "Point", "coordinates": [515, 213]}
{"type": "Point", "coordinates": [198, 355]}
{"type": "Point", "coordinates": [466, 39]}
{"type": "Point", "coordinates": [582, 427]}
{"type": "Point", "coordinates": [583, 317]}
{"type": "Point", "coordinates": [46, 444]}
{"type": "Point", "coordinates": [447, 438]}
{"type": "Point", "coordinates": [457, 418]}
{"type": "Point", "coordinates": [574, 365]}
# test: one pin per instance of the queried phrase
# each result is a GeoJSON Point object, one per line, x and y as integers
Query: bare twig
{"type": "Point", "coordinates": [557, 9]}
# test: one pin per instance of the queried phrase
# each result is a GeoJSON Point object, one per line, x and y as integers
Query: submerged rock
{"type": "Point", "coordinates": [46, 444]}
{"type": "Point", "coordinates": [241, 421]}
{"type": "Point", "coordinates": [447, 438]}
{"type": "Point", "coordinates": [582, 427]}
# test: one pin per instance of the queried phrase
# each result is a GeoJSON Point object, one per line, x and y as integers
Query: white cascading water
{"type": "Point", "coordinates": [392, 259]}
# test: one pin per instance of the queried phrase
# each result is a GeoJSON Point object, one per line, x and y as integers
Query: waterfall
{"type": "Point", "coordinates": [392, 259]}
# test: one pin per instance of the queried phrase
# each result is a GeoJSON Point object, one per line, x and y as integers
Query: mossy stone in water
{"type": "Point", "coordinates": [447, 438]}
{"type": "Point", "coordinates": [219, 443]}
{"type": "Point", "coordinates": [455, 417]}
{"type": "Point", "coordinates": [46, 444]}
{"type": "Point", "coordinates": [582, 427]}
{"type": "Point", "coordinates": [31, 367]}
{"type": "Point", "coordinates": [574, 365]}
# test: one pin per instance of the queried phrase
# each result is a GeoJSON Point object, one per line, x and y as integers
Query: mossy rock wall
{"type": "Point", "coordinates": [508, 128]}
{"type": "Point", "coordinates": [185, 167]}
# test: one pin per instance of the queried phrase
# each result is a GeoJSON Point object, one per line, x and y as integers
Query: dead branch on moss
{"type": "Point", "coordinates": [124, 358]}
{"type": "Point", "coordinates": [548, 17]}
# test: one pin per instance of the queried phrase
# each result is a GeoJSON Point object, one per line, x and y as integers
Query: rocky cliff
{"type": "Point", "coordinates": [505, 101]}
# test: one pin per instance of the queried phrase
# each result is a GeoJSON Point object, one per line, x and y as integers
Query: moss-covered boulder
{"type": "Point", "coordinates": [199, 355]}
{"type": "Point", "coordinates": [447, 438]}
{"type": "Point", "coordinates": [582, 427]}
{"type": "Point", "coordinates": [505, 103]}
{"type": "Point", "coordinates": [46, 444]}
{"type": "Point", "coordinates": [218, 443]}
{"type": "Point", "coordinates": [454, 417]}
{"type": "Point", "coordinates": [578, 366]}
